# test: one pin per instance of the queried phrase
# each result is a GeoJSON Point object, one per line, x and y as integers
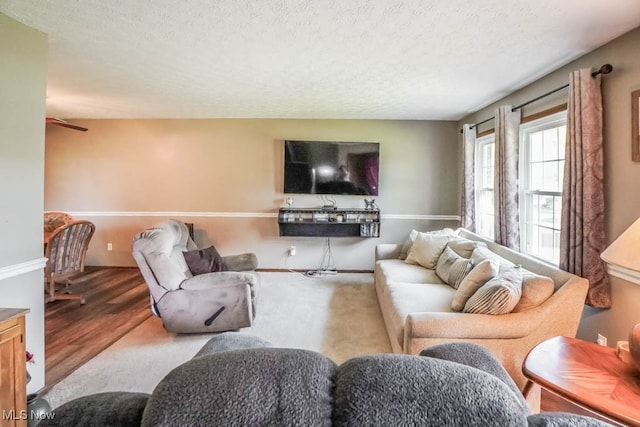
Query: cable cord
{"type": "Point", "coordinates": [327, 265]}
{"type": "Point", "coordinates": [327, 257]}
{"type": "Point", "coordinates": [331, 265]}
{"type": "Point", "coordinates": [290, 270]}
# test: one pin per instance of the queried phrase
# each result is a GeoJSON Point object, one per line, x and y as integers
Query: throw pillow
{"type": "Point", "coordinates": [406, 246]}
{"type": "Point", "coordinates": [426, 250]}
{"type": "Point", "coordinates": [536, 289]}
{"type": "Point", "coordinates": [452, 268]}
{"type": "Point", "coordinates": [477, 277]}
{"type": "Point", "coordinates": [481, 253]}
{"type": "Point", "coordinates": [404, 250]}
{"type": "Point", "coordinates": [465, 247]}
{"type": "Point", "coordinates": [499, 295]}
{"type": "Point", "coordinates": [202, 261]}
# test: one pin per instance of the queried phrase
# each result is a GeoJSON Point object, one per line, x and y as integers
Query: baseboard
{"type": "Point", "coordinates": [266, 270]}
{"type": "Point", "coordinates": [284, 270]}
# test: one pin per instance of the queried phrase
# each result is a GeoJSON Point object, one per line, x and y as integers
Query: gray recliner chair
{"type": "Point", "coordinates": [212, 302]}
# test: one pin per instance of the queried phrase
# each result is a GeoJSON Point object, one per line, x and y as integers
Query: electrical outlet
{"type": "Point", "coordinates": [292, 251]}
{"type": "Point", "coordinates": [602, 340]}
{"type": "Point", "coordinates": [109, 246]}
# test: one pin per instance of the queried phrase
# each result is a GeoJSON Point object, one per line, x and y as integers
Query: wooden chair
{"type": "Point", "coordinates": [53, 220]}
{"type": "Point", "coordinates": [65, 253]}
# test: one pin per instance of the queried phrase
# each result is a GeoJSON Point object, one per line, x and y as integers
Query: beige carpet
{"type": "Point", "coordinates": [337, 315]}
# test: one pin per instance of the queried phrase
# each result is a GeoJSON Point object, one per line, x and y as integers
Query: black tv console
{"type": "Point", "coordinates": [322, 222]}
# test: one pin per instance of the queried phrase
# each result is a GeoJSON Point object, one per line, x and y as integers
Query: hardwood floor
{"type": "Point", "coordinates": [117, 301]}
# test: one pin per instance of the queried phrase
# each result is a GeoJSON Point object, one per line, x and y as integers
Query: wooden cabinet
{"type": "Point", "coordinates": [13, 369]}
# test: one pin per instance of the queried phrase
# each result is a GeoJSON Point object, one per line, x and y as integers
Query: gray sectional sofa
{"type": "Point", "coordinates": [416, 306]}
{"type": "Point", "coordinates": [240, 380]}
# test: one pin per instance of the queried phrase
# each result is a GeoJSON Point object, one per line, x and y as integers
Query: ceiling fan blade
{"type": "Point", "coordinates": [60, 122]}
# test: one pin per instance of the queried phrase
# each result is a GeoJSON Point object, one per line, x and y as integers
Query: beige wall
{"type": "Point", "coordinates": [23, 55]}
{"type": "Point", "coordinates": [225, 176]}
{"type": "Point", "coordinates": [621, 174]}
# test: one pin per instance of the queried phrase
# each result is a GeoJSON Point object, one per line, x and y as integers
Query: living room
{"type": "Point", "coordinates": [225, 176]}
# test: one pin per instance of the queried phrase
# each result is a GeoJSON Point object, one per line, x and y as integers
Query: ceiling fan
{"type": "Point", "coordinates": [63, 123]}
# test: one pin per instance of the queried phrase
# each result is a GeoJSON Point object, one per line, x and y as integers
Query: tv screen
{"type": "Point", "coordinates": [331, 167]}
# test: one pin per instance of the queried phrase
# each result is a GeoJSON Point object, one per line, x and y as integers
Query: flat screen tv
{"type": "Point", "coordinates": [331, 167]}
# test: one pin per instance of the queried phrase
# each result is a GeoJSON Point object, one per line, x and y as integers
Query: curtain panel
{"type": "Point", "coordinates": [507, 222]}
{"type": "Point", "coordinates": [582, 236]}
{"type": "Point", "coordinates": [468, 207]}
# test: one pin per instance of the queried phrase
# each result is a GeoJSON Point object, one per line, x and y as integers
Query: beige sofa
{"type": "Point", "coordinates": [416, 307]}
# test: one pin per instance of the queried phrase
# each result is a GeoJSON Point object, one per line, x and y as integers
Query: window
{"type": "Point", "coordinates": [542, 145]}
{"type": "Point", "coordinates": [541, 173]}
{"type": "Point", "coordinates": [485, 160]}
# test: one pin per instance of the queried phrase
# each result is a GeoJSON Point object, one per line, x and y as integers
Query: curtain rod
{"type": "Point", "coordinates": [605, 69]}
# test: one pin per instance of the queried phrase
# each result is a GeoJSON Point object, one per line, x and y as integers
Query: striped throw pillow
{"type": "Point", "coordinates": [452, 268]}
{"type": "Point", "coordinates": [499, 295]}
{"type": "Point", "coordinates": [477, 277]}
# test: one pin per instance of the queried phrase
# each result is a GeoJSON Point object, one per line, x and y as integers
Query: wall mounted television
{"type": "Point", "coordinates": [331, 167]}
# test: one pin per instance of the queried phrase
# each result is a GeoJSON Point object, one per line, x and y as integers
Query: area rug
{"type": "Point", "coordinates": [336, 315]}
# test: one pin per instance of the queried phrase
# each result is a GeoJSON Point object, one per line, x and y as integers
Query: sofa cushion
{"type": "Point", "coordinates": [405, 298]}
{"type": "Point", "coordinates": [404, 250]}
{"type": "Point", "coordinates": [452, 268]}
{"type": "Point", "coordinates": [416, 297]}
{"type": "Point", "coordinates": [499, 295]}
{"type": "Point", "coordinates": [426, 250]}
{"type": "Point", "coordinates": [536, 289]}
{"type": "Point", "coordinates": [250, 387]}
{"type": "Point", "coordinates": [203, 261]}
{"type": "Point", "coordinates": [403, 390]}
{"type": "Point", "coordinates": [229, 341]}
{"type": "Point", "coordinates": [477, 277]}
{"type": "Point", "coordinates": [396, 270]}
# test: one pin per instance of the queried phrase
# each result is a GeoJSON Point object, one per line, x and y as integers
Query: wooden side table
{"type": "Point", "coordinates": [589, 375]}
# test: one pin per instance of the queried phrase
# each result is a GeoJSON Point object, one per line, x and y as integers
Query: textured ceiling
{"type": "Point", "coordinates": [384, 59]}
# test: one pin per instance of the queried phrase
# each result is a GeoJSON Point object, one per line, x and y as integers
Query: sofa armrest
{"type": "Point", "coordinates": [219, 280]}
{"type": "Point", "coordinates": [478, 357]}
{"type": "Point", "coordinates": [212, 302]}
{"type": "Point", "coordinates": [387, 251]}
{"type": "Point", "coordinates": [101, 409]}
{"type": "Point", "coordinates": [563, 419]}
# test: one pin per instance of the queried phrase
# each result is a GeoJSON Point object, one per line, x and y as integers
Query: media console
{"type": "Point", "coordinates": [329, 222]}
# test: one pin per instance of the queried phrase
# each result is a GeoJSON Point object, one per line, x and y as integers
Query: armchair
{"type": "Point", "coordinates": [54, 220]}
{"type": "Point", "coordinates": [210, 302]}
{"type": "Point", "coordinates": [65, 252]}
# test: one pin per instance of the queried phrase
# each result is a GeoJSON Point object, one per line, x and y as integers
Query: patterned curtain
{"type": "Point", "coordinates": [582, 237]}
{"type": "Point", "coordinates": [468, 179]}
{"type": "Point", "coordinates": [507, 225]}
